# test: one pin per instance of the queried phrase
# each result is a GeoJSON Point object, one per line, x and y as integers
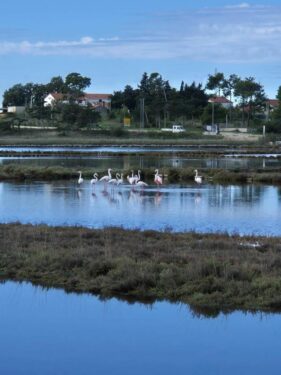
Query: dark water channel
{"type": "Point", "coordinates": [247, 209]}
{"type": "Point", "coordinates": [50, 332]}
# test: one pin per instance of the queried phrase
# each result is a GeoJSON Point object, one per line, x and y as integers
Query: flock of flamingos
{"type": "Point", "coordinates": [134, 180]}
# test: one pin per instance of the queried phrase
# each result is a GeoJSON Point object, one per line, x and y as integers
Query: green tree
{"type": "Point", "coordinates": [56, 85]}
{"type": "Point", "coordinates": [73, 116]}
{"type": "Point", "coordinates": [216, 82]}
{"type": "Point", "coordinates": [18, 95]}
{"type": "Point", "coordinates": [278, 96]}
{"type": "Point", "coordinates": [75, 85]}
{"type": "Point", "coordinates": [229, 86]}
{"type": "Point", "coordinates": [192, 99]}
{"type": "Point", "coordinates": [250, 94]}
{"type": "Point", "coordinates": [127, 98]}
{"type": "Point", "coordinates": [274, 123]}
{"type": "Point", "coordinates": [155, 91]}
{"type": "Point", "coordinates": [220, 112]}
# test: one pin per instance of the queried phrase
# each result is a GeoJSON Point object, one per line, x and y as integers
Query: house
{"type": "Point", "coordinates": [224, 102]}
{"type": "Point", "coordinates": [97, 101]}
{"type": "Point", "coordinates": [270, 105]}
{"type": "Point", "coordinates": [53, 98]}
{"type": "Point", "coordinates": [15, 109]}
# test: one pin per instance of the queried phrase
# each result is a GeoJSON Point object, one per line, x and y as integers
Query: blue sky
{"type": "Point", "coordinates": [114, 42]}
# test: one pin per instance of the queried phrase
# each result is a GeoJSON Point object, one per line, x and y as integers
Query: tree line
{"type": "Point", "coordinates": [63, 116]}
{"type": "Point", "coordinates": [190, 101]}
{"type": "Point", "coordinates": [156, 99]}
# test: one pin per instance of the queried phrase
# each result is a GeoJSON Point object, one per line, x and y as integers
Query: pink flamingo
{"type": "Point", "coordinates": [94, 180]}
{"type": "Point", "coordinates": [107, 177]}
{"type": "Point", "coordinates": [120, 180]}
{"type": "Point", "coordinates": [158, 178]}
{"type": "Point", "coordinates": [114, 181]}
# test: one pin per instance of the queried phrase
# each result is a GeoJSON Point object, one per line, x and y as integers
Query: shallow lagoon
{"type": "Point", "coordinates": [50, 332]}
{"type": "Point", "coordinates": [247, 209]}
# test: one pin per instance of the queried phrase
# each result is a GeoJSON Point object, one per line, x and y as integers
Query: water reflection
{"type": "Point", "coordinates": [127, 162]}
{"type": "Point", "coordinates": [117, 149]}
{"type": "Point", "coordinates": [243, 209]}
{"type": "Point", "coordinates": [51, 332]}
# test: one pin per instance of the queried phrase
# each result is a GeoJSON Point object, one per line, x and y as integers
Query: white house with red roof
{"type": "Point", "coordinates": [272, 103]}
{"type": "Point", "coordinates": [98, 101]}
{"type": "Point", "coordinates": [221, 100]}
{"type": "Point", "coordinates": [53, 98]}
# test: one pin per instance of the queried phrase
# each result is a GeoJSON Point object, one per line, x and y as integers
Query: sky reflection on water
{"type": "Point", "coordinates": [247, 209]}
{"type": "Point", "coordinates": [50, 332]}
{"type": "Point", "coordinates": [118, 162]}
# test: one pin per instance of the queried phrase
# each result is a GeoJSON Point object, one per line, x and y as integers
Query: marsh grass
{"type": "Point", "coordinates": [217, 272]}
{"type": "Point", "coordinates": [171, 175]}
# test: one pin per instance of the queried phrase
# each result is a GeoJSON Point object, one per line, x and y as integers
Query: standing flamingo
{"type": "Point", "coordinates": [95, 179]}
{"type": "Point", "coordinates": [120, 180]}
{"type": "Point", "coordinates": [158, 178]}
{"type": "Point", "coordinates": [107, 177]}
{"type": "Point", "coordinates": [131, 179]}
{"type": "Point", "coordinates": [197, 178]}
{"type": "Point", "coordinates": [141, 184]}
{"type": "Point", "coordinates": [114, 181]}
{"type": "Point", "coordinates": [80, 179]}
{"type": "Point", "coordinates": [137, 177]}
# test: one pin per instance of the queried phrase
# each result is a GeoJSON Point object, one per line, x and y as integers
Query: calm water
{"type": "Point", "coordinates": [50, 332]}
{"type": "Point", "coordinates": [244, 209]}
{"type": "Point", "coordinates": [115, 149]}
{"type": "Point", "coordinates": [145, 161]}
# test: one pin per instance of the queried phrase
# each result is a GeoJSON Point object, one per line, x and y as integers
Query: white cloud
{"type": "Point", "coordinates": [215, 35]}
{"type": "Point", "coordinates": [238, 6]}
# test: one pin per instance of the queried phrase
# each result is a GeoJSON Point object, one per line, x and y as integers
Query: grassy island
{"type": "Point", "coordinates": [17, 172]}
{"type": "Point", "coordinates": [211, 272]}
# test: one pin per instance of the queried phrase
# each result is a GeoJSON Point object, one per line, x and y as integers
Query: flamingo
{"type": "Point", "coordinates": [157, 178]}
{"type": "Point", "coordinates": [137, 177]}
{"type": "Point", "coordinates": [131, 179]}
{"type": "Point", "coordinates": [120, 180]}
{"type": "Point", "coordinates": [197, 178]}
{"type": "Point", "coordinates": [107, 177]}
{"type": "Point", "coordinates": [95, 179]}
{"type": "Point", "coordinates": [80, 179]}
{"type": "Point", "coordinates": [142, 184]}
{"type": "Point", "coordinates": [114, 180]}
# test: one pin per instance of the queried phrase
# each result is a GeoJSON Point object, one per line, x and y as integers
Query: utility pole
{"type": "Point", "coordinates": [31, 101]}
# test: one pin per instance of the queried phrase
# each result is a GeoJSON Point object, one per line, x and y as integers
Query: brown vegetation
{"type": "Point", "coordinates": [217, 272]}
{"type": "Point", "coordinates": [171, 175]}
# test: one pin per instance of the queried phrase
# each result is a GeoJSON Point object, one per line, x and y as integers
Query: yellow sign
{"type": "Point", "coordinates": [127, 121]}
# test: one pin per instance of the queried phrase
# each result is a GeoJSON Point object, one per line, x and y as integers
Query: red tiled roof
{"type": "Point", "coordinates": [57, 95]}
{"type": "Point", "coordinates": [60, 96]}
{"type": "Point", "coordinates": [97, 96]}
{"type": "Point", "coordinates": [219, 100]}
{"type": "Point", "coordinates": [273, 102]}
